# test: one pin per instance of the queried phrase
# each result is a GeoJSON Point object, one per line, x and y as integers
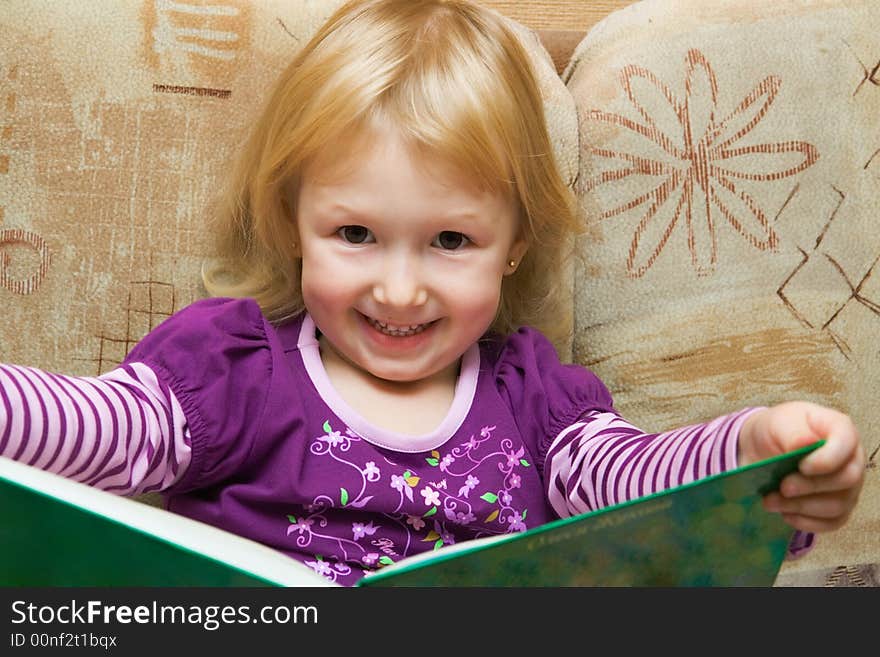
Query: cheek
{"type": "Point", "coordinates": [476, 291]}
{"type": "Point", "coordinates": [326, 284]}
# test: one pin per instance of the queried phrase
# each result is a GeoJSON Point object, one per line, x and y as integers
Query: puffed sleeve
{"type": "Point", "coordinates": [544, 394]}
{"type": "Point", "coordinates": [215, 357]}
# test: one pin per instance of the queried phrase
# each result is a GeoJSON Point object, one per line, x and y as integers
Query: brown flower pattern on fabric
{"type": "Point", "coordinates": [695, 176]}
{"type": "Point", "coordinates": [22, 238]}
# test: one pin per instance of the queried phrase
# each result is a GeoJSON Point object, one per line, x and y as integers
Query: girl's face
{"type": "Point", "coordinates": [402, 258]}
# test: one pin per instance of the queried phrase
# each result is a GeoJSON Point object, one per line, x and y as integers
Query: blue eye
{"type": "Point", "coordinates": [355, 234]}
{"type": "Point", "coordinates": [450, 240]}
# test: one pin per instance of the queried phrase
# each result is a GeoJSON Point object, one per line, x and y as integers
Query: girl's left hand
{"type": "Point", "coordinates": [821, 496]}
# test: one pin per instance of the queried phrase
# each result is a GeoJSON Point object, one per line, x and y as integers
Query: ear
{"type": "Point", "coordinates": [515, 255]}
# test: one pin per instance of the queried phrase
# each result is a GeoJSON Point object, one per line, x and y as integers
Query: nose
{"type": "Point", "coordinates": [400, 282]}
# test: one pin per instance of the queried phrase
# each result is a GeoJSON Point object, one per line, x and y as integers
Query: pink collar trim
{"type": "Point", "coordinates": [465, 389]}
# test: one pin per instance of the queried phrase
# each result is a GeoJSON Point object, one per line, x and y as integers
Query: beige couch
{"type": "Point", "coordinates": [726, 155]}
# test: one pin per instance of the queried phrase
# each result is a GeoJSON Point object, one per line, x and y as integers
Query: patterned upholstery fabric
{"type": "Point", "coordinates": [727, 161]}
{"type": "Point", "coordinates": [730, 176]}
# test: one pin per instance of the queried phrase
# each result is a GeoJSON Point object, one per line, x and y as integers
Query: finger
{"type": "Point", "coordinates": [841, 443]}
{"type": "Point", "coordinates": [850, 476]}
{"type": "Point", "coordinates": [811, 524]}
{"type": "Point", "coordinates": [826, 506]}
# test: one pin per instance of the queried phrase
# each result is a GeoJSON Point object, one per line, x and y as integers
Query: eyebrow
{"type": "Point", "coordinates": [342, 208]}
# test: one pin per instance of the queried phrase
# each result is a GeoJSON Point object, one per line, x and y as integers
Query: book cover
{"type": "Point", "coordinates": [58, 532]}
{"type": "Point", "coordinates": [712, 532]}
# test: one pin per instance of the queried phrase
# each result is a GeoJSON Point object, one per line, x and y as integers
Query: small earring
{"type": "Point", "coordinates": [511, 263]}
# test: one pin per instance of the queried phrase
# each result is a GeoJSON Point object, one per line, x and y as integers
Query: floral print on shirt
{"type": "Point", "coordinates": [380, 511]}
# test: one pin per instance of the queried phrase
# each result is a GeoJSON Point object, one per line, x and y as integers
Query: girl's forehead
{"type": "Point", "coordinates": [352, 155]}
{"type": "Point", "coordinates": [385, 173]}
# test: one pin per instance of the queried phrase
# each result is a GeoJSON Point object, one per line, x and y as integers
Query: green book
{"type": "Point", "coordinates": [711, 532]}
{"type": "Point", "coordinates": [58, 532]}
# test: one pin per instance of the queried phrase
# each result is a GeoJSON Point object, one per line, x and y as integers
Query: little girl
{"type": "Point", "coordinates": [376, 374]}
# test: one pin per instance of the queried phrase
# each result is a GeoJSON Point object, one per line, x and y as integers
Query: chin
{"type": "Point", "coordinates": [402, 371]}
{"type": "Point", "coordinates": [397, 376]}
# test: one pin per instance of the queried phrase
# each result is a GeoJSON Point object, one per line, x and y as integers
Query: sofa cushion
{"type": "Point", "coordinates": [730, 178]}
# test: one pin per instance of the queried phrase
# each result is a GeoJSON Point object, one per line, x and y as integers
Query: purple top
{"type": "Point", "coordinates": [277, 455]}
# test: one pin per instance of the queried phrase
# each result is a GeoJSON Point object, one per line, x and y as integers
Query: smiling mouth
{"type": "Point", "coordinates": [397, 331]}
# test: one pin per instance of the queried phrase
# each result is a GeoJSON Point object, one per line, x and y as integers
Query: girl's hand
{"type": "Point", "coordinates": [821, 496]}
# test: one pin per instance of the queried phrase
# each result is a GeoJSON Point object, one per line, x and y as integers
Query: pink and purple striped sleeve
{"type": "Point", "coordinates": [603, 460]}
{"type": "Point", "coordinates": [123, 431]}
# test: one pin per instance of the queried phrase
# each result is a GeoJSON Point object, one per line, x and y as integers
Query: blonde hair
{"type": "Point", "coordinates": [456, 81]}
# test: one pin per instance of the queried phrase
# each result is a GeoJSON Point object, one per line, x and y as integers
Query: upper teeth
{"type": "Point", "coordinates": [397, 330]}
